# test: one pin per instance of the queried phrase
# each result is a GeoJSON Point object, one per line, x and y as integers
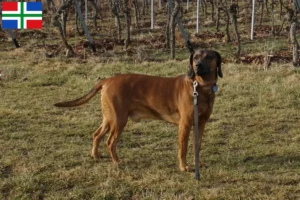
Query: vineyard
{"type": "Point", "coordinates": [141, 38]}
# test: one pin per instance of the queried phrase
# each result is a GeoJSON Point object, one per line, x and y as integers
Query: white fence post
{"type": "Point", "coordinates": [252, 21]}
{"type": "Point", "coordinates": [152, 14]}
{"type": "Point", "coordinates": [198, 13]}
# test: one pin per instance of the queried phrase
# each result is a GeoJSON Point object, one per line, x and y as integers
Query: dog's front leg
{"type": "Point", "coordinates": [201, 127]}
{"type": "Point", "coordinates": [183, 138]}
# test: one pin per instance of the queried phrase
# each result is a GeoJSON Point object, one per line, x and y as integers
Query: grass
{"type": "Point", "coordinates": [251, 144]}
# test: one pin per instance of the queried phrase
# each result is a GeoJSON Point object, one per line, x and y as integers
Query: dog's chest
{"type": "Point", "coordinates": [205, 104]}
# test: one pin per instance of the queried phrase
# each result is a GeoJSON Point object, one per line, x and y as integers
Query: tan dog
{"type": "Point", "coordinates": [171, 99]}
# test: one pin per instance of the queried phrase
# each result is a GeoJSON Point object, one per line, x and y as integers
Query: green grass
{"type": "Point", "coordinates": [251, 144]}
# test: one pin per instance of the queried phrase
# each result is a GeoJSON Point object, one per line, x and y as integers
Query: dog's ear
{"type": "Point", "coordinates": [191, 73]}
{"type": "Point", "coordinates": [219, 61]}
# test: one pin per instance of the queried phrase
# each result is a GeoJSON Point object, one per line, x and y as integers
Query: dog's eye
{"type": "Point", "coordinates": [209, 57]}
{"type": "Point", "coordinates": [196, 57]}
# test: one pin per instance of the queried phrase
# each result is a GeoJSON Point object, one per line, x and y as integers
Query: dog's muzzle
{"type": "Point", "coordinates": [202, 69]}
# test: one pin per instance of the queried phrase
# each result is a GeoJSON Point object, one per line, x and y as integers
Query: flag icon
{"type": "Point", "coordinates": [22, 15]}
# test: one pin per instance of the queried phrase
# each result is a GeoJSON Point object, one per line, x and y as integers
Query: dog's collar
{"type": "Point", "coordinates": [214, 87]}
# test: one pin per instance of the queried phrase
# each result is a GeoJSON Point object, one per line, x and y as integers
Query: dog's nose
{"type": "Point", "coordinates": [202, 68]}
{"type": "Point", "coordinates": [199, 64]}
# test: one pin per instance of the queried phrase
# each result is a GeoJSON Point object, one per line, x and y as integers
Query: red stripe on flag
{"type": "Point", "coordinates": [9, 6]}
{"type": "Point", "coordinates": [34, 24]}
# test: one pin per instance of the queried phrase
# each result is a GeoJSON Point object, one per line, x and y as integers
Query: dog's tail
{"type": "Point", "coordinates": [84, 99]}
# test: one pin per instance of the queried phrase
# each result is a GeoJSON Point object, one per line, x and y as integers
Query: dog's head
{"type": "Point", "coordinates": [205, 65]}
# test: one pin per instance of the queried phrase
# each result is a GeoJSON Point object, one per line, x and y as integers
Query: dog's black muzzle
{"type": "Point", "coordinates": [202, 69]}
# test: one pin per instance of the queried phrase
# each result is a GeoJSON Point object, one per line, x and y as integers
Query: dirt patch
{"type": "Point", "coordinates": [279, 57]}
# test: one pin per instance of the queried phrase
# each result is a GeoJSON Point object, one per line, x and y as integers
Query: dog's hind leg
{"type": "Point", "coordinates": [115, 109]}
{"type": "Point", "coordinates": [113, 138]}
{"type": "Point", "coordinates": [97, 137]}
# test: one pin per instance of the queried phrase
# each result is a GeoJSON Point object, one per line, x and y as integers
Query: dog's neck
{"type": "Point", "coordinates": [202, 82]}
{"type": "Point", "coordinates": [210, 86]}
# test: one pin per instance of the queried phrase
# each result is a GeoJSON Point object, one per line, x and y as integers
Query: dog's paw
{"type": "Point", "coordinates": [201, 164]}
{"type": "Point", "coordinates": [95, 155]}
{"type": "Point", "coordinates": [116, 161]}
{"type": "Point", "coordinates": [185, 168]}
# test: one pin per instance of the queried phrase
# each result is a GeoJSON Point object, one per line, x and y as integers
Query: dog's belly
{"type": "Point", "coordinates": [137, 114]}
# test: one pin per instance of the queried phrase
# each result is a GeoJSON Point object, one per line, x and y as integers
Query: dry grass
{"type": "Point", "coordinates": [251, 145]}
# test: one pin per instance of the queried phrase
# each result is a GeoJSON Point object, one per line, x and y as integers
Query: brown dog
{"type": "Point", "coordinates": [170, 99]}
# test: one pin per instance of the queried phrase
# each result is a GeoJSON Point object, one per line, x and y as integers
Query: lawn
{"type": "Point", "coordinates": [251, 145]}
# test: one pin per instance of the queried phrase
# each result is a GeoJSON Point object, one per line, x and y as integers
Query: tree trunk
{"type": "Point", "coordinates": [218, 19]}
{"type": "Point", "coordinates": [262, 13]}
{"type": "Point", "coordinates": [172, 30]}
{"type": "Point", "coordinates": [144, 7]}
{"type": "Point", "coordinates": [111, 7]}
{"type": "Point", "coordinates": [64, 17]}
{"type": "Point", "coordinates": [273, 18]}
{"type": "Point", "coordinates": [117, 17]}
{"type": "Point", "coordinates": [56, 23]}
{"type": "Point", "coordinates": [180, 12]}
{"type": "Point", "coordinates": [233, 13]}
{"type": "Point", "coordinates": [51, 6]}
{"type": "Point", "coordinates": [136, 13]}
{"type": "Point", "coordinates": [204, 6]}
{"type": "Point", "coordinates": [147, 6]}
{"type": "Point", "coordinates": [97, 12]}
{"type": "Point", "coordinates": [281, 5]}
{"type": "Point", "coordinates": [267, 8]}
{"type": "Point", "coordinates": [128, 22]}
{"type": "Point", "coordinates": [212, 10]}
{"type": "Point", "coordinates": [169, 9]}
{"type": "Point", "coordinates": [290, 13]}
{"type": "Point", "coordinates": [295, 44]}
{"type": "Point", "coordinates": [224, 8]}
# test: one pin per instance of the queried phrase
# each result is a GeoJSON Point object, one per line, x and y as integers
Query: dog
{"type": "Point", "coordinates": [137, 97]}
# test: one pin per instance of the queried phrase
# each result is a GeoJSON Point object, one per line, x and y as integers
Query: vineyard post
{"type": "Point", "coordinates": [86, 11]}
{"type": "Point", "coordinates": [187, 5]}
{"type": "Point", "coordinates": [198, 7]}
{"type": "Point", "coordinates": [252, 20]}
{"type": "Point", "coordinates": [152, 14]}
